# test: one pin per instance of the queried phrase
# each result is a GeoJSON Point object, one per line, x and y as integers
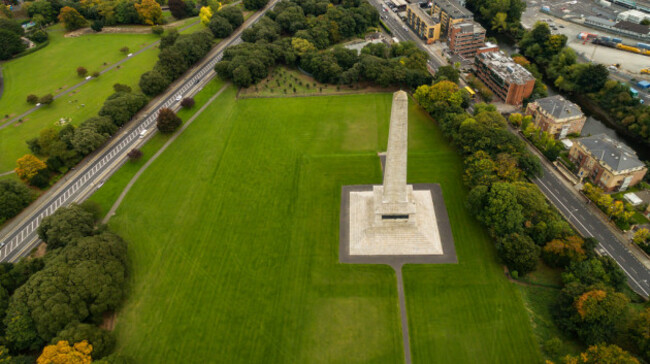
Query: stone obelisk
{"type": "Point", "coordinates": [394, 199]}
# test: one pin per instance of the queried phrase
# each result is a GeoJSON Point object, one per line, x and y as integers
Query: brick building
{"type": "Point", "coordinates": [556, 116]}
{"type": "Point", "coordinates": [466, 38]}
{"type": "Point", "coordinates": [508, 80]}
{"type": "Point", "coordinates": [611, 165]}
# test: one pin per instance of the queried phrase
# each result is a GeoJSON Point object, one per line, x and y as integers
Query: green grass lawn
{"type": "Point", "coordinates": [53, 68]}
{"type": "Point", "coordinates": [233, 238]}
{"type": "Point", "coordinates": [92, 95]}
{"type": "Point", "coordinates": [284, 81]}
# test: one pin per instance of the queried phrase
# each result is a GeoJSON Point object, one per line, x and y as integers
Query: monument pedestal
{"type": "Point", "coordinates": [395, 222]}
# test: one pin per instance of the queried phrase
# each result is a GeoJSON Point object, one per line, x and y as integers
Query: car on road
{"type": "Point", "coordinates": [130, 55]}
{"type": "Point", "coordinates": [143, 133]}
{"type": "Point", "coordinates": [179, 97]}
{"type": "Point", "coordinates": [89, 77]}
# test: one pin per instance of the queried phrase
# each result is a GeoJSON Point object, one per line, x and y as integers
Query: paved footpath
{"type": "Point", "coordinates": [85, 81]}
{"type": "Point", "coordinates": [155, 156]}
{"type": "Point", "coordinates": [580, 214]}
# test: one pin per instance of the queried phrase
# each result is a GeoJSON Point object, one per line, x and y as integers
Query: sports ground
{"type": "Point", "coordinates": [233, 237]}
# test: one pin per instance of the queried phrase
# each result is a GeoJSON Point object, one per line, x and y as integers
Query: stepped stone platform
{"type": "Point", "coordinates": [395, 222]}
{"type": "Point", "coordinates": [398, 247]}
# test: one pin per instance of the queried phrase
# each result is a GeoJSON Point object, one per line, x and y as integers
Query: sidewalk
{"type": "Point", "coordinates": [631, 247]}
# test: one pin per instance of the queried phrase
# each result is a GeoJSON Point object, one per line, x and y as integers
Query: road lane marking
{"type": "Point", "coordinates": [601, 244]}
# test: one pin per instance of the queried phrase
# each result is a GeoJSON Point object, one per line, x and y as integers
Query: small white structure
{"type": "Point", "coordinates": [566, 143]}
{"type": "Point", "coordinates": [633, 199]}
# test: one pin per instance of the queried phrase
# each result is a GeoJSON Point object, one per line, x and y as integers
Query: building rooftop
{"type": "Point", "coordinates": [453, 8]}
{"type": "Point", "coordinates": [600, 21]}
{"type": "Point", "coordinates": [616, 155]}
{"type": "Point", "coordinates": [469, 27]}
{"type": "Point", "coordinates": [505, 67]}
{"type": "Point", "coordinates": [559, 107]}
{"type": "Point", "coordinates": [423, 15]}
{"type": "Point", "coordinates": [632, 27]}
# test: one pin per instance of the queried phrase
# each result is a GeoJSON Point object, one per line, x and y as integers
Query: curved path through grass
{"type": "Point", "coordinates": [81, 83]}
{"type": "Point", "coordinates": [158, 153]}
{"type": "Point", "coordinates": [233, 235]}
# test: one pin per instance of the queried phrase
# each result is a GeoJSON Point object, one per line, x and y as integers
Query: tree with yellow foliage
{"type": "Point", "coordinates": [28, 166]}
{"type": "Point", "coordinates": [602, 354]}
{"type": "Point", "coordinates": [205, 15]}
{"type": "Point", "coordinates": [63, 353]}
{"type": "Point", "coordinates": [641, 236]}
{"type": "Point", "coordinates": [149, 11]}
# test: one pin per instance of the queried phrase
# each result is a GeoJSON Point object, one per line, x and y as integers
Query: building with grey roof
{"type": "Point", "coordinates": [557, 116]}
{"type": "Point", "coordinates": [610, 164]}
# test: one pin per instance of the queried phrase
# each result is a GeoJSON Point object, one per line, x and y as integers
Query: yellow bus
{"type": "Point", "coordinates": [470, 91]}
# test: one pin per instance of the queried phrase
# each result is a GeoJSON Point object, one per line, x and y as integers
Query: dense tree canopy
{"type": "Point", "coordinates": [66, 225]}
{"type": "Point", "coordinates": [80, 283]}
{"type": "Point", "coordinates": [14, 197]}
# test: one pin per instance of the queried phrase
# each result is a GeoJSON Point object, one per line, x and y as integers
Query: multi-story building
{"type": "Point", "coordinates": [611, 165]}
{"type": "Point", "coordinates": [508, 80]}
{"type": "Point", "coordinates": [466, 38]}
{"type": "Point", "coordinates": [450, 12]}
{"type": "Point", "coordinates": [423, 24]}
{"type": "Point", "coordinates": [556, 116]}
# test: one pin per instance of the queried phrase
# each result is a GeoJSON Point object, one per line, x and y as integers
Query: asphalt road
{"type": "Point", "coordinates": [403, 33]}
{"type": "Point", "coordinates": [20, 237]}
{"type": "Point", "coordinates": [577, 211]}
{"type": "Point", "coordinates": [572, 207]}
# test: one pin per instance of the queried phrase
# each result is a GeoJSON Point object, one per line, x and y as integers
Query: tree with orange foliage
{"type": "Point", "coordinates": [28, 166]}
{"type": "Point", "coordinates": [149, 11]}
{"type": "Point", "coordinates": [63, 353]}
{"type": "Point", "coordinates": [521, 60]}
{"type": "Point", "coordinates": [602, 354]}
{"type": "Point", "coordinates": [597, 312]}
{"type": "Point", "coordinates": [71, 18]}
{"type": "Point", "coordinates": [561, 252]}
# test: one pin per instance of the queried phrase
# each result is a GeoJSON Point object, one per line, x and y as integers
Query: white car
{"type": "Point", "coordinates": [89, 77]}
{"type": "Point", "coordinates": [179, 97]}
{"type": "Point", "coordinates": [130, 55]}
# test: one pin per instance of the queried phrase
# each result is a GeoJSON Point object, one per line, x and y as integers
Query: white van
{"type": "Point", "coordinates": [143, 133]}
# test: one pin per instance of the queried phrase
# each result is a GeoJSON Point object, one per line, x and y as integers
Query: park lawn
{"type": "Point", "coordinates": [539, 301]}
{"type": "Point", "coordinates": [112, 188]}
{"type": "Point", "coordinates": [233, 239]}
{"type": "Point", "coordinates": [53, 68]}
{"type": "Point", "coordinates": [283, 81]}
{"type": "Point", "coordinates": [253, 277]}
{"type": "Point", "coordinates": [92, 95]}
{"type": "Point", "coordinates": [466, 312]}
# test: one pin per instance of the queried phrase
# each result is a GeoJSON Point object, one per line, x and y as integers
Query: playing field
{"type": "Point", "coordinates": [233, 237]}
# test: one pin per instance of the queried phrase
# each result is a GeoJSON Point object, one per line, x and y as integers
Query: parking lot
{"type": "Point", "coordinates": [631, 63]}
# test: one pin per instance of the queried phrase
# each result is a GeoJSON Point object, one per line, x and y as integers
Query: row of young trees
{"type": "Point", "coordinates": [526, 228]}
{"type": "Point", "coordinates": [65, 295]}
{"type": "Point", "coordinates": [64, 147]}
{"type": "Point", "coordinates": [298, 33]}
